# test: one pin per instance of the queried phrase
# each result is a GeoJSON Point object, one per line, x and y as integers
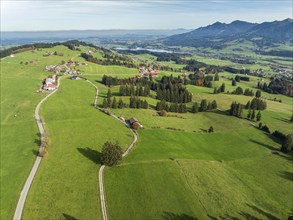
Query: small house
{"type": "Point", "coordinates": [49, 87]}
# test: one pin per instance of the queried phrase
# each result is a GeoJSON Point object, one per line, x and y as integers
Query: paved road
{"type": "Point", "coordinates": [102, 168]}
{"type": "Point", "coordinates": [29, 180]}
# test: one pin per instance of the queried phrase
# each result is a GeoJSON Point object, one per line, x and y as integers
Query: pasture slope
{"type": "Point", "coordinates": [67, 181]}
{"type": "Point", "coordinates": [235, 172]}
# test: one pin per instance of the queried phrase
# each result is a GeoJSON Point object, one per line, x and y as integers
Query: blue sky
{"type": "Point", "coordinates": [154, 14]}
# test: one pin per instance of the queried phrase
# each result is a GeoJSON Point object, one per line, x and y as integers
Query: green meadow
{"type": "Point", "coordinates": [236, 172]}
{"type": "Point", "coordinates": [67, 181]}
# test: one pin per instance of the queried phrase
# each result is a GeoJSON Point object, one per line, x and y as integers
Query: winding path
{"type": "Point", "coordinates": [29, 180]}
{"type": "Point", "coordinates": [102, 168]}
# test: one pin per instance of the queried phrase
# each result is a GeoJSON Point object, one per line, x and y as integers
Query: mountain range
{"type": "Point", "coordinates": [268, 32]}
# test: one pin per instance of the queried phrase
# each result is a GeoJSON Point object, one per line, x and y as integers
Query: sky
{"type": "Point", "coordinates": [40, 15]}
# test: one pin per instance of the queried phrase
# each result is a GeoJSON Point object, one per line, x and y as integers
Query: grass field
{"type": "Point", "coordinates": [183, 174]}
{"type": "Point", "coordinates": [67, 180]}
{"type": "Point", "coordinates": [197, 184]}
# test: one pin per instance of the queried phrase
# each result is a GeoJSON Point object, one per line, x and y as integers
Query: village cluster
{"type": "Point", "coordinates": [147, 72]}
{"type": "Point", "coordinates": [49, 83]}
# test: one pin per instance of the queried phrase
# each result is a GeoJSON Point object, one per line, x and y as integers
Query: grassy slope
{"type": "Point", "coordinates": [250, 177]}
{"type": "Point", "coordinates": [19, 132]}
{"type": "Point", "coordinates": [170, 180]}
{"type": "Point", "coordinates": [67, 181]}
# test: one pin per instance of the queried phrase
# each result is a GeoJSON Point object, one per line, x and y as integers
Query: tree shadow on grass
{"type": "Point", "coordinates": [93, 155]}
{"type": "Point", "coordinates": [287, 175]}
{"type": "Point", "coordinates": [262, 212]}
{"type": "Point", "coordinates": [282, 119]}
{"type": "Point", "coordinates": [225, 217]}
{"type": "Point", "coordinates": [68, 217]}
{"type": "Point", "coordinates": [173, 216]}
{"type": "Point", "coordinates": [262, 144]}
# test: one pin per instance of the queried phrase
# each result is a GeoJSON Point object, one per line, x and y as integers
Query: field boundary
{"type": "Point", "coordinates": [102, 168]}
{"type": "Point", "coordinates": [30, 178]}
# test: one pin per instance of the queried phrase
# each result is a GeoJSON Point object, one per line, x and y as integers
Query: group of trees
{"type": "Point", "coordinates": [173, 107]}
{"type": "Point", "coordinates": [234, 70]}
{"type": "Point", "coordinates": [236, 109]}
{"type": "Point", "coordinates": [108, 61]}
{"type": "Point", "coordinates": [174, 93]}
{"type": "Point", "coordinates": [171, 90]}
{"type": "Point", "coordinates": [108, 103]}
{"type": "Point", "coordinates": [220, 89]}
{"type": "Point", "coordinates": [203, 106]}
{"type": "Point", "coordinates": [256, 104]}
{"type": "Point", "coordinates": [278, 85]}
{"type": "Point", "coordinates": [243, 78]}
{"type": "Point", "coordinates": [135, 102]}
{"type": "Point", "coordinates": [239, 91]}
{"type": "Point", "coordinates": [113, 81]}
{"type": "Point", "coordinates": [251, 115]}
{"type": "Point", "coordinates": [139, 90]}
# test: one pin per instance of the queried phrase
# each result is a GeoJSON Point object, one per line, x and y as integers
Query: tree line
{"type": "Point", "coordinates": [69, 44]}
{"type": "Point", "coordinates": [131, 90]}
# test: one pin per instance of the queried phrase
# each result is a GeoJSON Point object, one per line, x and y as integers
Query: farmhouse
{"type": "Point", "coordinates": [49, 87]}
{"type": "Point", "coordinates": [135, 123]}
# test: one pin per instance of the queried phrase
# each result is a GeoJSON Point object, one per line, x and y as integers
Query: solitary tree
{"type": "Point", "coordinates": [111, 154]}
{"type": "Point", "coordinates": [234, 82]}
{"type": "Point", "coordinates": [211, 129]}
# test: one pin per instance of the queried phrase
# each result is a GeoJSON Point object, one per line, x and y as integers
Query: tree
{"type": "Point", "coordinates": [214, 104]}
{"type": "Point", "coordinates": [111, 154]}
{"type": "Point", "coordinates": [216, 78]}
{"type": "Point", "coordinates": [203, 105]}
{"type": "Point", "coordinates": [120, 103]}
{"type": "Point", "coordinates": [234, 82]}
{"type": "Point", "coordinates": [291, 118]}
{"type": "Point", "coordinates": [252, 115]}
{"type": "Point", "coordinates": [222, 88]}
{"type": "Point", "coordinates": [258, 116]}
{"type": "Point", "coordinates": [195, 108]}
{"type": "Point", "coordinates": [114, 103]}
{"type": "Point", "coordinates": [249, 113]}
{"type": "Point", "coordinates": [105, 103]}
{"type": "Point", "coordinates": [211, 129]}
{"type": "Point", "coordinates": [287, 144]}
{"type": "Point", "coordinates": [258, 94]}
{"type": "Point", "coordinates": [109, 94]}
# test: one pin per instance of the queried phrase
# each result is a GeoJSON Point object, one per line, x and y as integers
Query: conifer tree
{"type": "Point", "coordinates": [114, 103]}
{"type": "Point", "coordinates": [120, 103]}
{"type": "Point", "coordinates": [258, 116]}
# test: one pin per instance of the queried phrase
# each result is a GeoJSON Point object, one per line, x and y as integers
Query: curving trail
{"type": "Point", "coordinates": [29, 180]}
{"type": "Point", "coordinates": [102, 168]}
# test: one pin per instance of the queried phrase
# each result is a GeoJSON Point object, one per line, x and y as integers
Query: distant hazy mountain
{"type": "Point", "coordinates": [277, 31]}
{"type": "Point", "coordinates": [20, 37]}
{"type": "Point", "coordinates": [221, 29]}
